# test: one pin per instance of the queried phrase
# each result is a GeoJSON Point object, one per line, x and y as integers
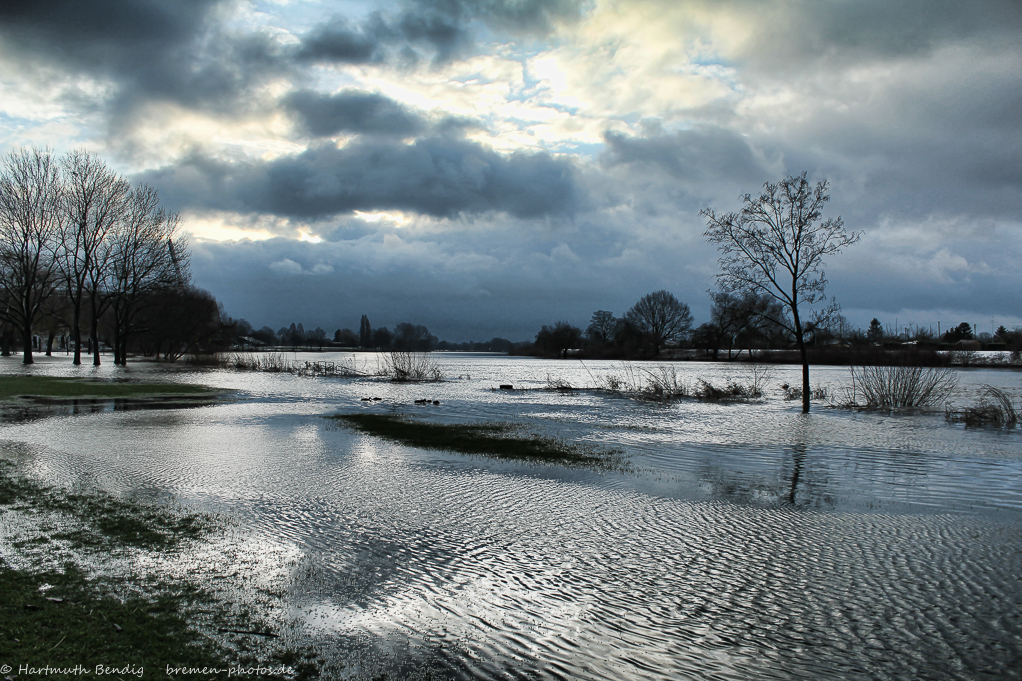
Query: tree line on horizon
{"type": "Point", "coordinates": [80, 248]}
{"type": "Point", "coordinates": [404, 337]}
{"type": "Point", "coordinates": [741, 324]}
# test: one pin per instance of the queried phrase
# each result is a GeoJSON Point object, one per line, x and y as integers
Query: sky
{"type": "Point", "coordinates": [484, 168]}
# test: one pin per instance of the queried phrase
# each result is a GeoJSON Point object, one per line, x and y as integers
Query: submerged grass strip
{"type": "Point", "coordinates": [62, 618]}
{"type": "Point", "coordinates": [114, 520]}
{"type": "Point", "coordinates": [486, 439]}
{"type": "Point", "coordinates": [51, 386]}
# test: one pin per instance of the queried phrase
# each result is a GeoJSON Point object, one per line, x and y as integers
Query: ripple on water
{"type": "Point", "coordinates": [746, 542]}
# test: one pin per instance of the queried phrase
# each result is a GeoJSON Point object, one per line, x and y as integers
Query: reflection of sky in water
{"type": "Point", "coordinates": [746, 540]}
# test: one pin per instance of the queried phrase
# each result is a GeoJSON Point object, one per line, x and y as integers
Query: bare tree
{"type": "Point", "coordinates": [95, 199]}
{"type": "Point", "coordinates": [558, 339]}
{"type": "Point", "coordinates": [661, 317]}
{"type": "Point", "coordinates": [601, 326]}
{"type": "Point", "coordinates": [147, 255]}
{"type": "Point", "coordinates": [776, 245]}
{"type": "Point", "coordinates": [30, 212]}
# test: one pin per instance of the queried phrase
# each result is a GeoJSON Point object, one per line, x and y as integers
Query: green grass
{"type": "Point", "coordinates": [107, 519]}
{"type": "Point", "coordinates": [499, 440]}
{"type": "Point", "coordinates": [50, 386]}
{"type": "Point", "coordinates": [62, 618]}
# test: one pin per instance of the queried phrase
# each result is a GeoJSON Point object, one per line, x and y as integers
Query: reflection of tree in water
{"type": "Point", "coordinates": [796, 483]}
{"type": "Point", "coordinates": [798, 457]}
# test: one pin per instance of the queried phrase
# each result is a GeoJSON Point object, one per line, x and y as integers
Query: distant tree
{"type": "Point", "coordinates": [295, 336]}
{"type": "Point", "coordinates": [266, 335]}
{"type": "Point", "coordinates": [413, 337]}
{"type": "Point", "coordinates": [317, 337]}
{"type": "Point", "coordinates": [365, 333]}
{"type": "Point", "coordinates": [746, 320]}
{"type": "Point", "coordinates": [346, 338]}
{"type": "Point", "coordinates": [178, 320]}
{"type": "Point", "coordinates": [1002, 332]}
{"type": "Point", "coordinates": [558, 339]}
{"type": "Point", "coordinates": [661, 317]}
{"type": "Point", "coordinates": [30, 214]}
{"type": "Point", "coordinates": [875, 333]}
{"type": "Point", "coordinates": [382, 338]}
{"type": "Point", "coordinates": [708, 336]}
{"type": "Point", "coordinates": [499, 345]}
{"type": "Point", "coordinates": [94, 202]}
{"type": "Point", "coordinates": [243, 327]}
{"type": "Point", "coordinates": [776, 245]}
{"type": "Point", "coordinates": [922, 334]}
{"type": "Point", "coordinates": [961, 332]}
{"type": "Point", "coordinates": [147, 260]}
{"type": "Point", "coordinates": [601, 327]}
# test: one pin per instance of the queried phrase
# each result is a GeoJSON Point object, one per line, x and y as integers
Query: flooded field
{"type": "Point", "coordinates": [734, 540]}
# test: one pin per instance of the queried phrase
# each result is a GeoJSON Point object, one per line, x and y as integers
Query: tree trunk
{"type": "Point", "coordinates": [49, 343]}
{"type": "Point", "coordinates": [94, 336]}
{"type": "Point", "coordinates": [27, 336]}
{"type": "Point", "coordinates": [805, 365]}
{"type": "Point", "coordinates": [76, 328]}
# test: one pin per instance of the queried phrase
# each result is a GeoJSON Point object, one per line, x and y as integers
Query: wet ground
{"type": "Point", "coordinates": [742, 540]}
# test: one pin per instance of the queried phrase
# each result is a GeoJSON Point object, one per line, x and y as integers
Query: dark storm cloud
{"type": "Point", "coordinates": [443, 27]}
{"type": "Point", "coordinates": [352, 111]}
{"type": "Point", "coordinates": [342, 41]}
{"type": "Point", "coordinates": [693, 155]}
{"type": "Point", "coordinates": [438, 176]}
{"type": "Point", "coordinates": [791, 34]}
{"type": "Point", "coordinates": [99, 32]}
{"type": "Point", "coordinates": [152, 49]}
{"type": "Point", "coordinates": [533, 16]}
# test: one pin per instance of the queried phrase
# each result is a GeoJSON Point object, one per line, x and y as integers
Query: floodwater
{"type": "Point", "coordinates": [739, 541]}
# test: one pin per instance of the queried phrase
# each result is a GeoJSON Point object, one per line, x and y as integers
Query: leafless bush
{"type": "Point", "coordinates": [732, 390]}
{"type": "Point", "coordinates": [246, 361]}
{"type": "Point", "coordinates": [758, 375]}
{"type": "Point", "coordinates": [794, 392]}
{"type": "Point", "coordinates": [995, 408]}
{"type": "Point", "coordinates": [407, 367]}
{"type": "Point", "coordinates": [279, 363]}
{"type": "Point", "coordinates": [900, 386]}
{"type": "Point", "coordinates": [663, 383]}
{"type": "Point", "coordinates": [628, 382]}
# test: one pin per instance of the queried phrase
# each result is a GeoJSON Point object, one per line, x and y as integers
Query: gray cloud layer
{"type": "Point", "coordinates": [437, 176]}
{"type": "Point", "coordinates": [352, 111]}
{"type": "Point", "coordinates": [909, 107]}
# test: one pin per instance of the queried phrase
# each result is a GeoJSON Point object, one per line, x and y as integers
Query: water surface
{"type": "Point", "coordinates": [742, 540]}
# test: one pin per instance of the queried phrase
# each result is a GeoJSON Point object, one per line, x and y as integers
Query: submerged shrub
{"type": "Point", "coordinates": [731, 391]}
{"type": "Point", "coordinates": [995, 408]}
{"type": "Point", "coordinates": [792, 392]}
{"type": "Point", "coordinates": [409, 366]}
{"type": "Point", "coordinates": [894, 387]}
{"type": "Point", "coordinates": [664, 384]}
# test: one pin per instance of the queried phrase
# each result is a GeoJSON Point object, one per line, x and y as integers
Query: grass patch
{"type": "Point", "coordinates": [497, 440]}
{"type": "Point", "coordinates": [114, 520]}
{"type": "Point", "coordinates": [70, 388]}
{"type": "Point", "coordinates": [62, 618]}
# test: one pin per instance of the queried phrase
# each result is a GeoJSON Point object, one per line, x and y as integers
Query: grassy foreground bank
{"type": "Point", "coordinates": [498, 440]}
{"type": "Point", "coordinates": [71, 388]}
{"type": "Point", "coordinates": [60, 617]}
